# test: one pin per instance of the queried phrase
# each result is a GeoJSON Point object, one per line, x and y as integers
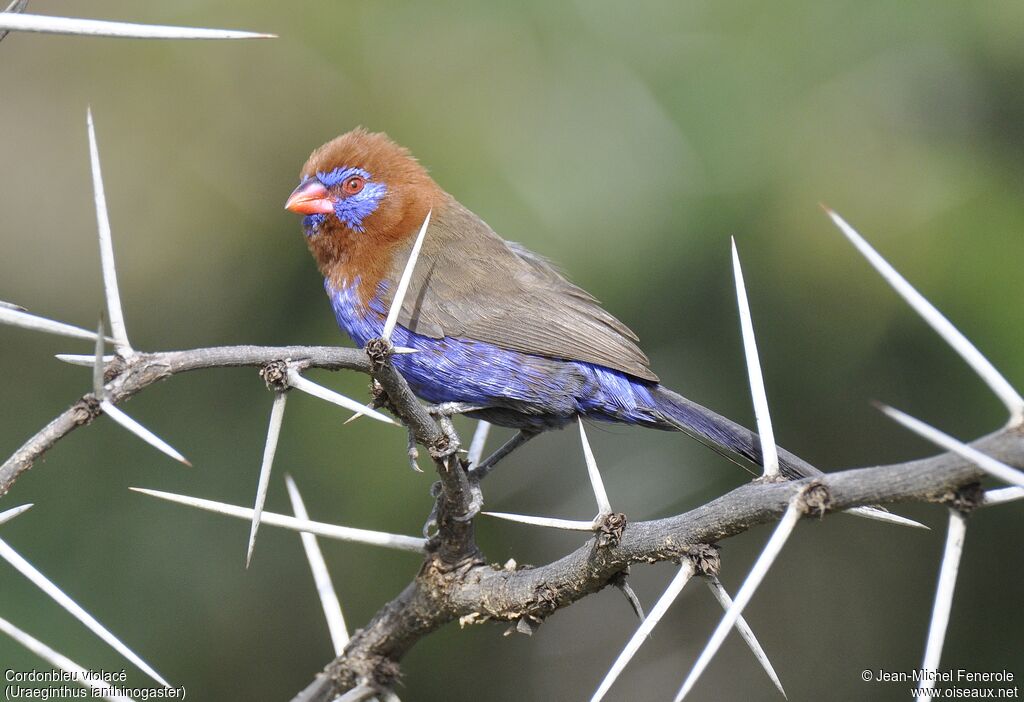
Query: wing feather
{"type": "Point", "coordinates": [470, 283]}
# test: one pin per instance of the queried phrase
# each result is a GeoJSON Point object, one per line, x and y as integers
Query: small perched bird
{"type": "Point", "coordinates": [501, 334]}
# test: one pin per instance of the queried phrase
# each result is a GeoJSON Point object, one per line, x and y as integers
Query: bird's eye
{"type": "Point", "coordinates": [353, 185]}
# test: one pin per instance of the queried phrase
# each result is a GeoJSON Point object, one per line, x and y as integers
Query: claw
{"type": "Point", "coordinates": [430, 526]}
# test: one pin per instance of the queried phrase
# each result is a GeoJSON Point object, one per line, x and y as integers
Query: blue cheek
{"type": "Point", "coordinates": [311, 223]}
{"type": "Point", "coordinates": [355, 208]}
{"type": "Point", "coordinates": [352, 210]}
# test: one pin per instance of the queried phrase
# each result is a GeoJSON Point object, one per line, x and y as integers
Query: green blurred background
{"type": "Point", "coordinates": [627, 141]}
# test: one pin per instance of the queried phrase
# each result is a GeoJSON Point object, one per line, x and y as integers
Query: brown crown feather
{"type": "Point", "coordinates": [343, 254]}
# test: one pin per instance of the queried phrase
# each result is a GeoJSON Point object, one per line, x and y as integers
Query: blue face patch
{"type": "Point", "coordinates": [351, 210]}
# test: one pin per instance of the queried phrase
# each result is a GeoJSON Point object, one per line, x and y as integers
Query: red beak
{"type": "Point", "coordinates": [310, 198]}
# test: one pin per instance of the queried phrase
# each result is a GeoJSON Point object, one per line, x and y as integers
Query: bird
{"type": "Point", "coordinates": [500, 333]}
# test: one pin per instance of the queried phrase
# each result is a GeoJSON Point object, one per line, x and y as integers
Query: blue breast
{"type": "Point", "coordinates": [523, 390]}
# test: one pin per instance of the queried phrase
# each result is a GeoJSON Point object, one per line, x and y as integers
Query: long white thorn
{"type": "Point", "coordinates": [363, 411]}
{"type": "Point", "coordinates": [550, 522]}
{"type": "Point", "coordinates": [58, 660]}
{"type": "Point", "coordinates": [981, 365]}
{"type": "Point", "coordinates": [944, 595]}
{"type": "Point", "coordinates": [40, 581]}
{"type": "Point", "coordinates": [79, 359]}
{"type": "Point", "coordinates": [996, 469]}
{"type": "Point", "coordinates": [18, 318]}
{"type": "Point", "coordinates": [140, 431]}
{"type": "Point", "coordinates": [743, 597]}
{"type": "Point", "coordinates": [718, 590]}
{"type": "Point", "coordinates": [330, 531]}
{"type": "Point", "coordinates": [113, 295]}
{"type": "Point", "coordinates": [317, 565]}
{"type": "Point", "coordinates": [11, 305]}
{"type": "Point", "coordinates": [100, 28]}
{"type": "Point", "coordinates": [600, 494]}
{"type": "Point", "coordinates": [769, 452]}
{"type": "Point", "coordinates": [998, 497]}
{"type": "Point", "coordinates": [879, 515]}
{"type": "Point", "coordinates": [476, 446]}
{"type": "Point", "coordinates": [403, 284]}
{"type": "Point", "coordinates": [14, 6]}
{"type": "Point", "coordinates": [682, 576]}
{"type": "Point", "coordinates": [296, 381]}
{"type": "Point", "coordinates": [8, 515]}
{"type": "Point", "coordinates": [269, 449]}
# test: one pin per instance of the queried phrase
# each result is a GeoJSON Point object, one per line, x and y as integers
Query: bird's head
{"type": "Point", "coordinates": [361, 194]}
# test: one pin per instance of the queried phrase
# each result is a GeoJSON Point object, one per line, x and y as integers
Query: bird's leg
{"type": "Point", "coordinates": [476, 502]}
{"type": "Point", "coordinates": [450, 409]}
{"type": "Point", "coordinates": [475, 473]}
{"type": "Point", "coordinates": [478, 473]}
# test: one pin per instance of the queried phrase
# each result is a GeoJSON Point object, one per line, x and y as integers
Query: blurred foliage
{"type": "Point", "coordinates": [627, 141]}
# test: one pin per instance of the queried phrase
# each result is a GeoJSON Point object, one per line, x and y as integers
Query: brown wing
{"type": "Point", "coordinates": [470, 283]}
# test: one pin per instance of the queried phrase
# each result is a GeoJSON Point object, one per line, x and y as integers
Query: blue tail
{"type": "Point", "coordinates": [720, 434]}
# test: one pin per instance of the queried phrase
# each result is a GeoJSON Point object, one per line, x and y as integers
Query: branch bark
{"type": "Point", "coordinates": [479, 592]}
{"type": "Point", "coordinates": [455, 582]}
{"type": "Point", "coordinates": [127, 378]}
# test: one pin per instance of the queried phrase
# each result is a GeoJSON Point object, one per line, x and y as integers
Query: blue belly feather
{"type": "Point", "coordinates": [520, 390]}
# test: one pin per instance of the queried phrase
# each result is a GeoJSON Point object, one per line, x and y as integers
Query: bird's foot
{"type": "Point", "coordinates": [430, 526]}
{"type": "Point", "coordinates": [476, 502]}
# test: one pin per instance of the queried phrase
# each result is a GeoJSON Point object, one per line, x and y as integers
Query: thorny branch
{"type": "Point", "coordinates": [455, 582]}
{"type": "Point", "coordinates": [125, 378]}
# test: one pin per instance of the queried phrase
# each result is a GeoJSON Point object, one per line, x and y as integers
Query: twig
{"type": "Point", "coordinates": [145, 369]}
